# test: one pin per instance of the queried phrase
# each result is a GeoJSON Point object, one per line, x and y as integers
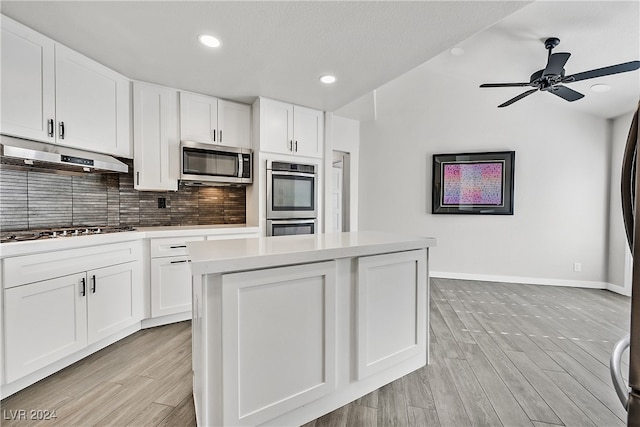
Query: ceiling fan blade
{"type": "Point", "coordinates": [604, 71]}
{"type": "Point", "coordinates": [566, 93]}
{"type": "Point", "coordinates": [556, 62]}
{"type": "Point", "coordinates": [517, 98]}
{"type": "Point", "coordinates": [504, 84]}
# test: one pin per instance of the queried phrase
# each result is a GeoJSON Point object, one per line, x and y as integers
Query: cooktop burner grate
{"type": "Point", "coordinates": [54, 233]}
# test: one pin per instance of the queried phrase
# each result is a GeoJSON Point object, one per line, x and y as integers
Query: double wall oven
{"type": "Point", "coordinates": [292, 198]}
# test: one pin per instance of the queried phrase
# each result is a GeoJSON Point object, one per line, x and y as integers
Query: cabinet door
{"type": "Point", "coordinates": [156, 142]}
{"type": "Point", "coordinates": [198, 118]}
{"type": "Point", "coordinates": [44, 322]}
{"type": "Point", "coordinates": [392, 298]}
{"type": "Point", "coordinates": [278, 340]}
{"type": "Point", "coordinates": [276, 126]}
{"type": "Point", "coordinates": [114, 299]}
{"type": "Point", "coordinates": [27, 82]}
{"type": "Point", "coordinates": [308, 131]}
{"type": "Point", "coordinates": [234, 124]}
{"type": "Point", "coordinates": [170, 286]}
{"type": "Point", "coordinates": [92, 105]}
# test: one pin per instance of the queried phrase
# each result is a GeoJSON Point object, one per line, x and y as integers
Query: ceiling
{"type": "Point", "coordinates": [279, 49]}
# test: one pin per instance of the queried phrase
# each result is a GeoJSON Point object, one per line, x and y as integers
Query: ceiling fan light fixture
{"type": "Point", "coordinates": [600, 88]}
{"type": "Point", "coordinates": [328, 79]}
{"type": "Point", "coordinates": [457, 51]}
{"type": "Point", "coordinates": [208, 40]}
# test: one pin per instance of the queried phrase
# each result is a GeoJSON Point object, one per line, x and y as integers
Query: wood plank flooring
{"type": "Point", "coordinates": [501, 354]}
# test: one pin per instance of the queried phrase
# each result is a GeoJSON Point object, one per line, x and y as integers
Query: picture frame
{"type": "Point", "coordinates": [473, 183]}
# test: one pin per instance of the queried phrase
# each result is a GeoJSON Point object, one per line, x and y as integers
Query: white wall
{"type": "Point", "coordinates": [619, 255]}
{"type": "Point", "coordinates": [561, 178]}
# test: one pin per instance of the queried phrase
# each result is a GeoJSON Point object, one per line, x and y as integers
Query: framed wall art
{"type": "Point", "coordinates": [473, 183]}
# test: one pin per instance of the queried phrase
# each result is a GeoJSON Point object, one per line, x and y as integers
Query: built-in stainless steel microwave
{"type": "Point", "coordinates": [208, 164]}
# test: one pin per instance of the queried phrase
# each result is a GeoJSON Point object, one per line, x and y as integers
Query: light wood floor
{"type": "Point", "coordinates": [501, 354]}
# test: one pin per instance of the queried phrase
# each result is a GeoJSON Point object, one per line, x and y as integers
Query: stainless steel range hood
{"type": "Point", "coordinates": [33, 153]}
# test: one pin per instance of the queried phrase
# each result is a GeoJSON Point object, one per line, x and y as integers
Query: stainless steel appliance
{"type": "Point", "coordinates": [57, 233]}
{"type": "Point", "coordinates": [288, 227]}
{"type": "Point", "coordinates": [630, 395]}
{"type": "Point", "coordinates": [208, 164]}
{"type": "Point", "coordinates": [292, 190]}
{"type": "Point", "coordinates": [33, 153]}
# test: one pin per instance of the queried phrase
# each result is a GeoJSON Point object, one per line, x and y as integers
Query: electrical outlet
{"type": "Point", "coordinates": [577, 267]}
{"type": "Point", "coordinates": [162, 202]}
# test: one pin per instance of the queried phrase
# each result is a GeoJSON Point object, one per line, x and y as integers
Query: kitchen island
{"type": "Point", "coordinates": [286, 329]}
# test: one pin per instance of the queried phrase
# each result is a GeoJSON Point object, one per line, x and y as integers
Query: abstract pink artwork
{"type": "Point", "coordinates": [473, 183]}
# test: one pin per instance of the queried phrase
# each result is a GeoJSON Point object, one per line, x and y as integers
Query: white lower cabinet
{"type": "Point", "coordinates": [170, 275]}
{"type": "Point", "coordinates": [50, 318]}
{"type": "Point", "coordinates": [114, 299]}
{"type": "Point", "coordinates": [171, 286]}
{"type": "Point", "coordinates": [44, 322]}
{"type": "Point", "coordinates": [171, 272]}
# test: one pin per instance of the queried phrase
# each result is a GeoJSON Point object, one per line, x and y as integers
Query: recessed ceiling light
{"type": "Point", "coordinates": [457, 51]}
{"type": "Point", "coordinates": [328, 79]}
{"type": "Point", "coordinates": [208, 40]}
{"type": "Point", "coordinates": [600, 88]}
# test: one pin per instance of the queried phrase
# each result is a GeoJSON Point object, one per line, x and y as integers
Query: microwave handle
{"type": "Point", "coordinates": [240, 165]}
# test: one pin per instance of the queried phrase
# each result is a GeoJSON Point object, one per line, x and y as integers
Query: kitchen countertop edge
{"type": "Point", "coordinates": [265, 252]}
{"type": "Point", "coordinates": [38, 246]}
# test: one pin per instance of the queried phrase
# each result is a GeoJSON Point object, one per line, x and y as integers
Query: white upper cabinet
{"type": "Point", "coordinates": [28, 87]}
{"type": "Point", "coordinates": [92, 104]}
{"type": "Point", "coordinates": [234, 124]}
{"type": "Point", "coordinates": [198, 118]}
{"type": "Point", "coordinates": [156, 140]}
{"type": "Point", "coordinates": [214, 121]}
{"type": "Point", "coordinates": [53, 94]}
{"type": "Point", "coordinates": [290, 129]}
{"type": "Point", "coordinates": [308, 131]}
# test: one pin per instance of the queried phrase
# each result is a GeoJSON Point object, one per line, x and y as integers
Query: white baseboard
{"type": "Point", "coordinates": [528, 280]}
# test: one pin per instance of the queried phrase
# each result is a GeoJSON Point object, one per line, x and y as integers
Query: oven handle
{"type": "Point", "coordinates": [293, 221]}
{"type": "Point", "coordinates": [302, 174]}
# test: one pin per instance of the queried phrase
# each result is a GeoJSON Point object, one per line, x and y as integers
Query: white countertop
{"type": "Point", "coordinates": [264, 252]}
{"type": "Point", "coordinates": [63, 243]}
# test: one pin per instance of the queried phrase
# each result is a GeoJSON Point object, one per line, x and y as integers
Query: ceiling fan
{"type": "Point", "coordinates": [550, 78]}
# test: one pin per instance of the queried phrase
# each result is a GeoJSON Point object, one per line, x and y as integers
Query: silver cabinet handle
{"type": "Point", "coordinates": [93, 280]}
{"type": "Point", "coordinates": [137, 178]}
{"type": "Point", "coordinates": [616, 373]}
{"type": "Point", "coordinates": [177, 246]}
{"type": "Point", "coordinates": [50, 127]}
{"type": "Point", "coordinates": [61, 130]}
{"type": "Point", "coordinates": [181, 261]}
{"type": "Point", "coordinates": [291, 145]}
{"type": "Point", "coordinates": [220, 135]}
{"type": "Point", "coordinates": [296, 150]}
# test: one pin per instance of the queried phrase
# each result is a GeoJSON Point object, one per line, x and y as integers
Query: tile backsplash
{"type": "Point", "coordinates": [32, 199]}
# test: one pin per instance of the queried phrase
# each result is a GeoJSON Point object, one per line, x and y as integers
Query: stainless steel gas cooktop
{"type": "Point", "coordinates": [55, 233]}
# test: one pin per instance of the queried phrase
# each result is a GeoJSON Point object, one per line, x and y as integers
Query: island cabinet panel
{"type": "Point", "coordinates": [391, 315]}
{"type": "Point", "coordinates": [279, 340]}
{"type": "Point", "coordinates": [289, 328]}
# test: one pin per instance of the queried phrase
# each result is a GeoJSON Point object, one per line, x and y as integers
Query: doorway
{"type": "Point", "coordinates": [340, 194]}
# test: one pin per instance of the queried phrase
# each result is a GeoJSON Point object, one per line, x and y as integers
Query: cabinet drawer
{"type": "Point", "coordinates": [171, 246]}
{"type": "Point", "coordinates": [34, 268]}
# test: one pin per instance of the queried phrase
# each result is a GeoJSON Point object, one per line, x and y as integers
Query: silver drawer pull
{"type": "Point", "coordinates": [178, 262]}
{"type": "Point", "coordinates": [179, 246]}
